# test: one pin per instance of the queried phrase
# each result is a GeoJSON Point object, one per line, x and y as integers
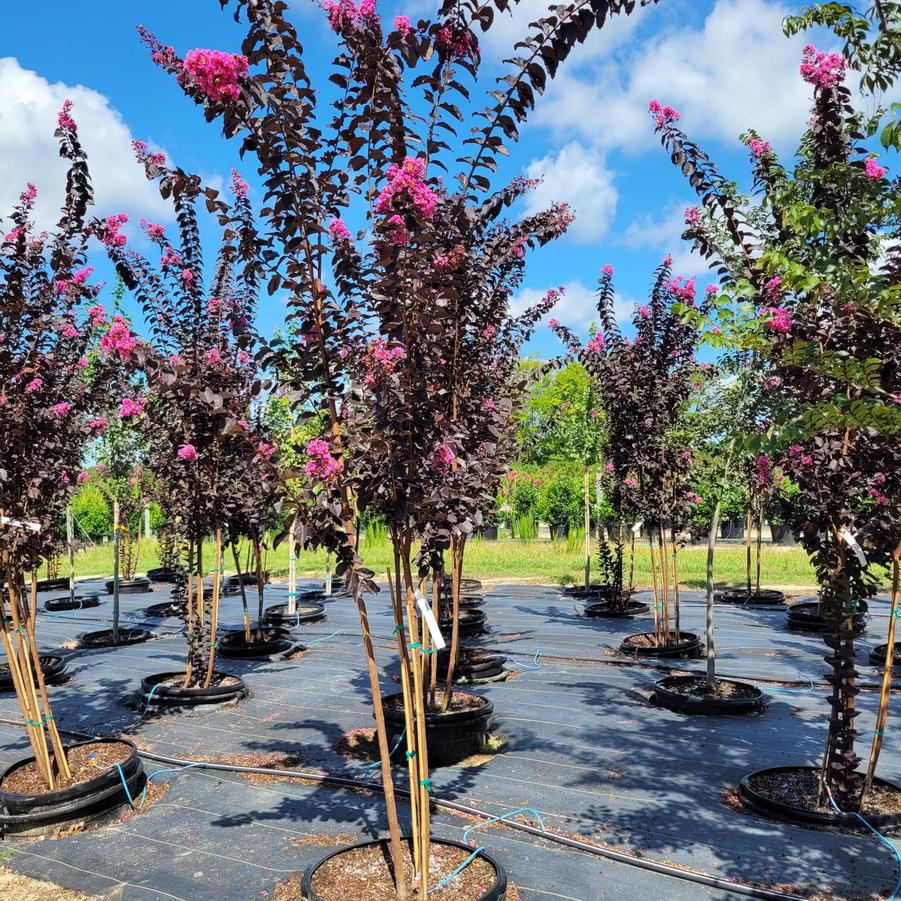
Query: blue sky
{"type": "Point", "coordinates": [723, 63]}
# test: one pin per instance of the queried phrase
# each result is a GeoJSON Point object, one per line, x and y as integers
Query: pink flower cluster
{"type": "Point", "coordinates": [874, 170]}
{"type": "Point", "coordinates": [380, 358]}
{"type": "Point", "coordinates": [780, 319]}
{"type": "Point", "coordinates": [644, 312]}
{"type": "Point", "coordinates": [771, 382]}
{"type": "Point", "coordinates": [111, 236]}
{"type": "Point", "coordinates": [98, 425]}
{"type": "Point", "coordinates": [406, 185]}
{"type": "Point", "coordinates": [596, 344]}
{"type": "Point", "coordinates": [398, 233]}
{"type": "Point", "coordinates": [338, 231]}
{"type": "Point", "coordinates": [34, 385]}
{"type": "Point", "coordinates": [239, 186]}
{"type": "Point", "coordinates": [187, 452]}
{"type": "Point", "coordinates": [217, 73]}
{"type": "Point", "coordinates": [62, 408]}
{"type": "Point", "coordinates": [153, 231]}
{"type": "Point", "coordinates": [82, 477]}
{"type": "Point", "coordinates": [457, 43]}
{"type": "Point", "coordinates": [118, 340]}
{"type": "Point", "coordinates": [266, 451]}
{"type": "Point", "coordinates": [693, 498]}
{"type": "Point", "coordinates": [442, 459]}
{"type": "Point", "coordinates": [489, 332]}
{"type": "Point", "coordinates": [65, 285]}
{"type": "Point", "coordinates": [798, 457]}
{"type": "Point", "coordinates": [345, 15]}
{"type": "Point", "coordinates": [607, 269]}
{"type": "Point", "coordinates": [561, 217]}
{"type": "Point", "coordinates": [822, 70]}
{"type": "Point", "coordinates": [489, 406]}
{"type": "Point", "coordinates": [68, 330]}
{"type": "Point", "coordinates": [132, 407]}
{"type": "Point", "coordinates": [758, 148]}
{"type": "Point", "coordinates": [692, 215]}
{"type": "Point", "coordinates": [450, 260]}
{"type": "Point", "coordinates": [64, 118]}
{"type": "Point", "coordinates": [97, 315]}
{"type": "Point", "coordinates": [169, 258]}
{"type": "Point", "coordinates": [663, 114]}
{"type": "Point", "coordinates": [773, 287]}
{"type": "Point", "coordinates": [213, 356]}
{"type": "Point", "coordinates": [321, 465]}
{"type": "Point", "coordinates": [685, 293]}
{"type": "Point", "coordinates": [402, 24]}
{"type": "Point", "coordinates": [764, 470]}
{"type": "Point", "coordinates": [145, 156]}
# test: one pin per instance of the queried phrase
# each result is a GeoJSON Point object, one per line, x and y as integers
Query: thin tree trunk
{"type": "Point", "coordinates": [665, 584]}
{"type": "Point", "coordinates": [885, 694]}
{"type": "Point", "coordinates": [676, 597]}
{"type": "Point", "coordinates": [292, 568]}
{"type": "Point", "coordinates": [70, 547]}
{"type": "Point", "coordinates": [711, 548]}
{"type": "Point", "coordinates": [236, 557]}
{"type": "Point", "coordinates": [587, 499]}
{"type": "Point", "coordinates": [748, 523]}
{"type": "Point", "coordinates": [214, 610]}
{"type": "Point", "coordinates": [260, 587]}
{"type": "Point", "coordinates": [657, 604]}
{"type": "Point", "coordinates": [457, 544]}
{"type": "Point", "coordinates": [759, 544]}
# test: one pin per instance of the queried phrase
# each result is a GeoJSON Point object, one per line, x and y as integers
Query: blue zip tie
{"type": "Point", "coordinates": [535, 665]}
{"type": "Point", "coordinates": [378, 763]}
{"type": "Point", "coordinates": [426, 784]}
{"type": "Point", "coordinates": [504, 816]}
{"type": "Point", "coordinates": [878, 835]}
{"type": "Point", "coordinates": [796, 691]}
{"type": "Point", "coordinates": [459, 870]}
{"type": "Point", "coordinates": [325, 637]}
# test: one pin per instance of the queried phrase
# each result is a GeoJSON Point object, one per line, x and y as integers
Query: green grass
{"type": "Point", "coordinates": [514, 560]}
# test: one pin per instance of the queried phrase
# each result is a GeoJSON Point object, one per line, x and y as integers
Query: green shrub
{"type": "Point", "coordinates": [93, 515]}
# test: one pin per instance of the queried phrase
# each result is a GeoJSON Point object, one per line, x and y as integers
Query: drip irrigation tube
{"type": "Point", "coordinates": [661, 869]}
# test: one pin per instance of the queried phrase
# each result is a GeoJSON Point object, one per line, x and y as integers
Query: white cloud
{"type": "Point", "coordinates": [663, 233]}
{"type": "Point", "coordinates": [578, 176]}
{"type": "Point", "coordinates": [30, 153]}
{"type": "Point", "coordinates": [737, 71]}
{"type": "Point", "coordinates": [576, 309]}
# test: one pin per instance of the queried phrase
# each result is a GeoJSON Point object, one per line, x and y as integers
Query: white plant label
{"type": "Point", "coordinates": [637, 527]}
{"type": "Point", "coordinates": [851, 541]}
{"type": "Point", "coordinates": [430, 621]}
{"type": "Point", "coordinates": [32, 526]}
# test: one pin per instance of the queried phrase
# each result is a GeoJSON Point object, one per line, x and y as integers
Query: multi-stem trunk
{"type": "Point", "coordinates": [711, 549]}
{"type": "Point", "coordinates": [243, 588]}
{"type": "Point", "coordinates": [258, 553]}
{"type": "Point", "coordinates": [840, 760]}
{"type": "Point", "coordinates": [458, 543]}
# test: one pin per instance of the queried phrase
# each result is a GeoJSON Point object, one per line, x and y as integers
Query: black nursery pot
{"type": "Point", "coordinates": [450, 737]}
{"type": "Point", "coordinates": [666, 694]}
{"type": "Point", "coordinates": [277, 614]}
{"type": "Point", "coordinates": [593, 592]}
{"type": "Point", "coordinates": [130, 586]}
{"type": "Point", "coordinates": [473, 622]}
{"type": "Point", "coordinates": [878, 654]}
{"type": "Point", "coordinates": [59, 584]}
{"type": "Point", "coordinates": [741, 596]}
{"type": "Point", "coordinates": [88, 801]}
{"type": "Point", "coordinates": [474, 664]}
{"type": "Point", "coordinates": [489, 533]}
{"type": "Point", "coordinates": [155, 692]}
{"type": "Point", "coordinates": [496, 892]}
{"type": "Point", "coordinates": [754, 798]}
{"type": "Point", "coordinates": [688, 647]}
{"type": "Point", "coordinates": [806, 617]}
{"type": "Point", "coordinates": [166, 608]}
{"type": "Point", "coordinates": [606, 610]}
{"type": "Point", "coordinates": [103, 638]}
{"type": "Point", "coordinates": [79, 602]}
{"type": "Point", "coordinates": [233, 583]}
{"type": "Point", "coordinates": [470, 586]}
{"type": "Point", "coordinates": [162, 574]}
{"type": "Point", "coordinates": [52, 666]}
{"type": "Point", "coordinates": [274, 642]}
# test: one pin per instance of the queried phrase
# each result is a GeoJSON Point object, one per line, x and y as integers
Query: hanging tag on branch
{"type": "Point", "coordinates": [637, 527]}
{"type": "Point", "coordinates": [851, 541]}
{"type": "Point", "coordinates": [430, 621]}
{"type": "Point", "coordinates": [19, 524]}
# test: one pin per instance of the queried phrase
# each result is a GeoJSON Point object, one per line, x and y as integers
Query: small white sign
{"type": "Point", "coordinates": [32, 526]}
{"type": "Point", "coordinates": [637, 527]}
{"type": "Point", "coordinates": [430, 621]}
{"type": "Point", "coordinates": [851, 541]}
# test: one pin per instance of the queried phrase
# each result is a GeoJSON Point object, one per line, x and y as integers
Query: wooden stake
{"type": "Point", "coordinates": [711, 548]}
{"type": "Point", "coordinates": [214, 609]}
{"type": "Point", "coordinates": [885, 694]}
{"type": "Point", "coordinates": [292, 569]}
{"type": "Point", "coordinates": [457, 545]}
{"type": "Point", "coordinates": [587, 500]}
{"type": "Point", "coordinates": [115, 571]}
{"type": "Point", "coordinates": [759, 544]}
{"type": "Point", "coordinates": [70, 545]}
{"type": "Point", "coordinates": [243, 588]}
{"type": "Point", "coordinates": [748, 524]}
{"type": "Point", "coordinates": [657, 606]}
{"type": "Point", "coordinates": [664, 580]}
{"type": "Point", "coordinates": [676, 597]}
{"type": "Point", "coordinates": [189, 669]}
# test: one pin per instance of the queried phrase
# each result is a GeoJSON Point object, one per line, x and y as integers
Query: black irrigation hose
{"type": "Point", "coordinates": [661, 869]}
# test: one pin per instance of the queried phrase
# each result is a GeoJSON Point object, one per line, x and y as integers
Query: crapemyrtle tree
{"type": "Point", "coordinates": [57, 367]}
{"type": "Point", "coordinates": [200, 381]}
{"type": "Point", "coordinates": [645, 384]}
{"type": "Point", "coordinates": [379, 246]}
{"type": "Point", "coordinates": [813, 288]}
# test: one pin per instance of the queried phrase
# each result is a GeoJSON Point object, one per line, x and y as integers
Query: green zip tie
{"type": "Point", "coordinates": [42, 722]}
{"type": "Point", "coordinates": [415, 645]}
{"type": "Point", "coordinates": [293, 559]}
{"type": "Point", "coordinates": [430, 651]}
{"type": "Point", "coordinates": [212, 644]}
{"type": "Point", "coordinates": [878, 732]}
{"type": "Point", "coordinates": [411, 755]}
{"type": "Point", "coordinates": [21, 630]}
{"type": "Point", "coordinates": [426, 784]}
{"type": "Point", "coordinates": [396, 629]}
{"type": "Point", "coordinates": [292, 594]}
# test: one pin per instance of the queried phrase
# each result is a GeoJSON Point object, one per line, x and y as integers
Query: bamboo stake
{"type": "Point", "coordinates": [711, 547]}
{"type": "Point", "coordinates": [587, 500]}
{"type": "Point", "coordinates": [676, 597]}
{"type": "Point", "coordinates": [420, 721]}
{"type": "Point", "coordinates": [664, 583]}
{"type": "Point", "coordinates": [654, 582]}
{"type": "Point", "coordinates": [189, 633]}
{"type": "Point", "coordinates": [115, 571]}
{"type": "Point", "coordinates": [406, 688]}
{"type": "Point", "coordinates": [260, 586]}
{"type": "Point", "coordinates": [457, 542]}
{"type": "Point", "coordinates": [70, 545]}
{"type": "Point", "coordinates": [759, 544]}
{"type": "Point", "coordinates": [748, 524]}
{"type": "Point", "coordinates": [243, 588]}
{"type": "Point", "coordinates": [292, 568]}
{"type": "Point", "coordinates": [328, 574]}
{"type": "Point", "coordinates": [631, 562]}
{"type": "Point", "coordinates": [885, 694]}
{"type": "Point", "coordinates": [437, 587]}
{"type": "Point", "coordinates": [214, 609]}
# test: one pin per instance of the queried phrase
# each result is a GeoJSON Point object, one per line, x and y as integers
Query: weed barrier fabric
{"type": "Point", "coordinates": [584, 747]}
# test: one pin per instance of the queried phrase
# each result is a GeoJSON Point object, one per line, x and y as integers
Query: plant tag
{"type": "Point", "coordinates": [851, 541]}
{"type": "Point", "coordinates": [31, 526]}
{"type": "Point", "coordinates": [430, 621]}
{"type": "Point", "coordinates": [637, 527]}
